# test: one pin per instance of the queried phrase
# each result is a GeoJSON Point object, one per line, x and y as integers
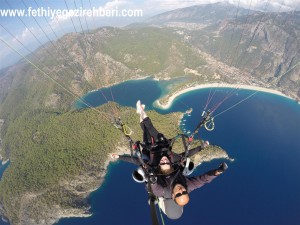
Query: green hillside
{"type": "Point", "coordinates": [48, 149]}
{"type": "Point", "coordinates": [151, 50]}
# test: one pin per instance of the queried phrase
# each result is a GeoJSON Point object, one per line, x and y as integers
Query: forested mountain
{"type": "Point", "coordinates": [260, 47]}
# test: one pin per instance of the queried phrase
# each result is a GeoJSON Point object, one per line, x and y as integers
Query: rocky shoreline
{"type": "Point", "coordinates": [80, 188]}
{"type": "Point", "coordinates": [1, 157]}
{"type": "Point", "coordinates": [95, 182]}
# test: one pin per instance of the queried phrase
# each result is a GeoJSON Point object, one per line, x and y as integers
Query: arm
{"type": "Point", "coordinates": [199, 181]}
{"type": "Point", "coordinates": [195, 150]}
{"type": "Point", "coordinates": [178, 157]}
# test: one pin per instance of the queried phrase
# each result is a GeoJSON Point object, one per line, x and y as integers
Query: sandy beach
{"type": "Point", "coordinates": [215, 85]}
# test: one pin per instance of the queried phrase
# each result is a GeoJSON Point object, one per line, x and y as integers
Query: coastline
{"type": "Point", "coordinates": [119, 82]}
{"type": "Point", "coordinates": [173, 96]}
{"type": "Point", "coordinates": [3, 163]}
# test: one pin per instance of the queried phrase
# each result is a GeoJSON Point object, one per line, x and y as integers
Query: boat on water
{"type": "Point", "coordinates": [189, 111]}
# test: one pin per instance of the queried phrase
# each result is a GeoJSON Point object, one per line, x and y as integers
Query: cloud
{"type": "Point", "coordinates": [25, 36]}
{"type": "Point", "coordinates": [4, 48]}
{"type": "Point", "coordinates": [7, 55]}
{"type": "Point", "coordinates": [6, 44]}
{"type": "Point", "coordinates": [288, 3]}
{"type": "Point", "coordinates": [274, 5]}
{"type": "Point", "coordinates": [116, 4]}
{"type": "Point", "coordinates": [255, 4]}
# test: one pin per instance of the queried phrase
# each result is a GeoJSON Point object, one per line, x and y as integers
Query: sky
{"type": "Point", "coordinates": [46, 20]}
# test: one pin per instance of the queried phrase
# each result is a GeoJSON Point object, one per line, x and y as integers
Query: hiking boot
{"type": "Point", "coordinates": [205, 144]}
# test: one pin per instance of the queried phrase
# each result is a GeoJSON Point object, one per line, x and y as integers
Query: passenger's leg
{"type": "Point", "coordinates": [170, 208]}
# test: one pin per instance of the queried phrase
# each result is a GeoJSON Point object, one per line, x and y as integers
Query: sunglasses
{"type": "Point", "coordinates": [165, 163]}
{"type": "Point", "coordinates": [180, 194]}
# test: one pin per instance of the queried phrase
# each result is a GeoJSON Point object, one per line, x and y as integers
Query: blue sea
{"type": "Point", "coordinates": [261, 185]}
{"type": "Point", "coordinates": [2, 169]}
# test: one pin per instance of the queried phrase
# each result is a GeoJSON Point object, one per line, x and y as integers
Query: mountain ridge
{"type": "Point", "coordinates": [262, 44]}
{"type": "Point", "coordinates": [200, 13]}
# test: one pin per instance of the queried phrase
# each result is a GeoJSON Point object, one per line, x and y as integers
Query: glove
{"type": "Point", "coordinates": [223, 166]}
{"type": "Point", "coordinates": [152, 179]}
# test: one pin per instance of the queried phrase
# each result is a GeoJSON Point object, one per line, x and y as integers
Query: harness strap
{"type": "Point", "coordinates": [160, 212]}
{"type": "Point", "coordinates": [153, 212]}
